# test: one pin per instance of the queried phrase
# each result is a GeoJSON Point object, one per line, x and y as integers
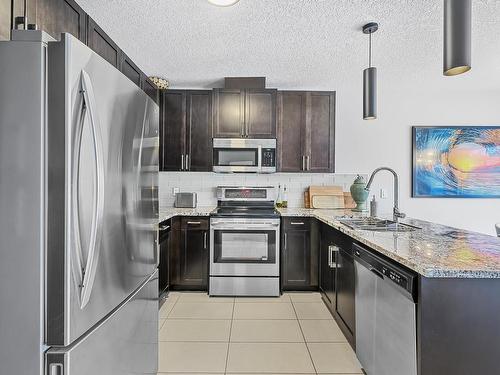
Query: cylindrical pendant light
{"type": "Point", "coordinates": [457, 37]}
{"type": "Point", "coordinates": [370, 79]}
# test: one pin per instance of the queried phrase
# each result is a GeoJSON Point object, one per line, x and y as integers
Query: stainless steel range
{"type": "Point", "coordinates": [244, 243]}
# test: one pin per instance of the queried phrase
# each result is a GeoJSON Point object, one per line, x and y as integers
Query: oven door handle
{"type": "Point", "coordinates": [244, 227]}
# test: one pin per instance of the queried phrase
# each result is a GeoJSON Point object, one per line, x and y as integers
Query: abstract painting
{"type": "Point", "coordinates": [456, 161]}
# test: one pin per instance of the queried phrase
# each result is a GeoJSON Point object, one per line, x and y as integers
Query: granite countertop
{"type": "Point", "coordinates": [167, 213]}
{"type": "Point", "coordinates": [434, 251]}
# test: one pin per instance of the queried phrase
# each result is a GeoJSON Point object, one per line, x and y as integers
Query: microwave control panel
{"type": "Point", "coordinates": [268, 157]}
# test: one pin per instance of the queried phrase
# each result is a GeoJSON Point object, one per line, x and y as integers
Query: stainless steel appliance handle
{"type": "Point", "coordinates": [194, 222]}
{"type": "Point", "coordinates": [259, 158]}
{"type": "Point", "coordinates": [98, 209]}
{"type": "Point", "coordinates": [182, 162]}
{"type": "Point", "coordinates": [272, 227]}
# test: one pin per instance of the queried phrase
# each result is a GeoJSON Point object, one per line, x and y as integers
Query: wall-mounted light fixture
{"type": "Point", "coordinates": [370, 79]}
{"type": "Point", "coordinates": [223, 3]}
{"type": "Point", "coordinates": [457, 37]}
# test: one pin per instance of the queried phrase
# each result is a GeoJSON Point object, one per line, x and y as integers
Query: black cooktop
{"type": "Point", "coordinates": [253, 212]}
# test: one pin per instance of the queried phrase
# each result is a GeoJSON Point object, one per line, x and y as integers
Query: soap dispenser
{"type": "Point", "coordinates": [373, 207]}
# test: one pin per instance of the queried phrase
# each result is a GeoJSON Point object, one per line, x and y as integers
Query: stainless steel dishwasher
{"type": "Point", "coordinates": [386, 342]}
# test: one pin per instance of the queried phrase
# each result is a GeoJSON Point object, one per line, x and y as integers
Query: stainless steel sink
{"type": "Point", "coordinates": [377, 225]}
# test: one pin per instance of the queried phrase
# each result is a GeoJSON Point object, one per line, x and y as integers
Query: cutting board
{"type": "Point", "coordinates": [331, 197]}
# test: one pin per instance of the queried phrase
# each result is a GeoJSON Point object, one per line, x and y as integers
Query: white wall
{"type": "Point", "coordinates": [365, 145]}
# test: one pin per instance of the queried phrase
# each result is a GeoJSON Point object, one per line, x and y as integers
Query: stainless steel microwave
{"type": "Point", "coordinates": [244, 155]}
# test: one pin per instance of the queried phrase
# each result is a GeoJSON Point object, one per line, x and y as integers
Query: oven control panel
{"type": "Point", "coordinates": [268, 157]}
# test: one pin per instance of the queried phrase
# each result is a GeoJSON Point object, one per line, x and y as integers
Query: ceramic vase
{"type": "Point", "coordinates": [359, 194]}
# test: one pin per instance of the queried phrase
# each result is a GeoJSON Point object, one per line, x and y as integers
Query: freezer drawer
{"type": "Point", "coordinates": [125, 343]}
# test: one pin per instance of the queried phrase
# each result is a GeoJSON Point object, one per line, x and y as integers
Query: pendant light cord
{"type": "Point", "coordinates": [370, 51]}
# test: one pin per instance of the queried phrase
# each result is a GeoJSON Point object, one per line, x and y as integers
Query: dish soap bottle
{"type": "Point", "coordinates": [284, 198]}
{"type": "Point", "coordinates": [278, 200]}
{"type": "Point", "coordinates": [373, 207]}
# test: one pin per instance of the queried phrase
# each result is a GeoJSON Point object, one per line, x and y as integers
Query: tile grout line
{"type": "Point", "coordinates": [229, 338]}
{"type": "Point", "coordinates": [304, 337]}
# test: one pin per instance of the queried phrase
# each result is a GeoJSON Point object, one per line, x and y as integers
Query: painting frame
{"type": "Point", "coordinates": [414, 177]}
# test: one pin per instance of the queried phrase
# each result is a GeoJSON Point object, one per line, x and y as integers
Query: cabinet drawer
{"type": "Point", "coordinates": [296, 223]}
{"type": "Point", "coordinates": [195, 223]}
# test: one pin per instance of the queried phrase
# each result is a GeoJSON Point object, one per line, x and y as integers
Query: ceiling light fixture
{"type": "Point", "coordinates": [457, 37]}
{"type": "Point", "coordinates": [370, 79]}
{"type": "Point", "coordinates": [223, 3]}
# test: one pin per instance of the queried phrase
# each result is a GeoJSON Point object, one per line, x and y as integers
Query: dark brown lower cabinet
{"type": "Point", "coordinates": [189, 254]}
{"type": "Point", "coordinates": [299, 255]}
{"type": "Point", "coordinates": [337, 279]}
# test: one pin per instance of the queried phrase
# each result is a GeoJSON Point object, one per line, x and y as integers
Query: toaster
{"type": "Point", "coordinates": [185, 200]}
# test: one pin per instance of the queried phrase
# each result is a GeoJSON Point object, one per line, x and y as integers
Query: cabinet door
{"type": "Point", "coordinates": [61, 16]}
{"type": "Point", "coordinates": [150, 88]}
{"type": "Point", "coordinates": [101, 43]}
{"type": "Point", "coordinates": [229, 113]}
{"type": "Point", "coordinates": [260, 113]}
{"type": "Point", "coordinates": [199, 131]}
{"type": "Point", "coordinates": [291, 131]}
{"type": "Point", "coordinates": [194, 254]}
{"type": "Point", "coordinates": [327, 272]}
{"type": "Point", "coordinates": [172, 130]}
{"type": "Point", "coordinates": [130, 70]}
{"type": "Point", "coordinates": [296, 255]}
{"type": "Point", "coordinates": [345, 288]}
{"type": "Point", "coordinates": [320, 127]}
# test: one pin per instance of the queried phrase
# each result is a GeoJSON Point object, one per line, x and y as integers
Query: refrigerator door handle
{"type": "Point", "coordinates": [87, 275]}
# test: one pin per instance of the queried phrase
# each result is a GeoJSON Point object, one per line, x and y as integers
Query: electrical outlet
{"type": "Point", "coordinates": [383, 193]}
{"type": "Point", "coordinates": [175, 190]}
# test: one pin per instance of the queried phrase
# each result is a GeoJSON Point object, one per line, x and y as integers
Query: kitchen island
{"type": "Point", "coordinates": [458, 287]}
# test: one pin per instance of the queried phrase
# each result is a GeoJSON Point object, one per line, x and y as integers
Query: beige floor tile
{"type": "Point", "coordinates": [268, 358]}
{"type": "Point", "coordinates": [190, 373]}
{"type": "Point", "coordinates": [282, 299]}
{"type": "Point", "coordinates": [312, 310]}
{"type": "Point", "coordinates": [266, 331]}
{"type": "Point", "coordinates": [195, 330]}
{"type": "Point", "coordinates": [192, 357]}
{"type": "Point", "coordinates": [265, 310]}
{"type": "Point", "coordinates": [160, 323]}
{"type": "Point", "coordinates": [203, 297]}
{"type": "Point", "coordinates": [322, 331]}
{"type": "Point", "coordinates": [167, 307]}
{"type": "Point", "coordinates": [334, 358]}
{"type": "Point", "coordinates": [305, 297]}
{"type": "Point", "coordinates": [201, 310]}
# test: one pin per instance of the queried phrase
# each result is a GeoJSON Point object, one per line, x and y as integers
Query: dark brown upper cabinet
{"type": "Point", "coordinates": [244, 113]}
{"type": "Point", "coordinates": [130, 70]}
{"type": "Point", "coordinates": [101, 43]}
{"type": "Point", "coordinates": [185, 130]}
{"type": "Point", "coordinates": [150, 88]}
{"type": "Point", "coordinates": [61, 16]}
{"type": "Point", "coordinates": [306, 131]}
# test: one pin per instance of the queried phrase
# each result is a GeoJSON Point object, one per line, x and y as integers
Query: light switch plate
{"type": "Point", "coordinates": [175, 190]}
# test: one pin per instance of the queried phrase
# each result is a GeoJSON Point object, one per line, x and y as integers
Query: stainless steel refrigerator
{"type": "Point", "coordinates": [78, 213]}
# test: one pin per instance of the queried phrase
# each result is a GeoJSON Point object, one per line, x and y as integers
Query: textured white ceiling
{"type": "Point", "coordinates": [308, 44]}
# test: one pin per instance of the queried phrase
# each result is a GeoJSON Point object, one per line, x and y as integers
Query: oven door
{"type": "Point", "coordinates": [244, 247]}
{"type": "Point", "coordinates": [228, 159]}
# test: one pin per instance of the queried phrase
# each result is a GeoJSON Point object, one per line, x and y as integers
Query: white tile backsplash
{"type": "Point", "coordinates": [205, 183]}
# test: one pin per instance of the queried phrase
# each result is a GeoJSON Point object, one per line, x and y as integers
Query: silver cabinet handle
{"type": "Point", "coordinates": [188, 167]}
{"type": "Point", "coordinates": [205, 240]}
{"type": "Point", "coordinates": [194, 222]}
{"type": "Point", "coordinates": [297, 223]}
{"type": "Point", "coordinates": [332, 249]}
{"type": "Point", "coordinates": [284, 242]}
{"type": "Point", "coordinates": [164, 227]}
{"type": "Point", "coordinates": [182, 162]}
{"type": "Point", "coordinates": [308, 163]}
{"type": "Point", "coordinates": [329, 257]}
{"type": "Point", "coordinates": [303, 163]}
